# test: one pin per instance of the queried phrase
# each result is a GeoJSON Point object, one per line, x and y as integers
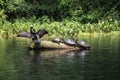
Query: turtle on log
{"type": "Point", "coordinates": [83, 44]}
{"type": "Point", "coordinates": [70, 42]}
{"type": "Point", "coordinates": [57, 40]}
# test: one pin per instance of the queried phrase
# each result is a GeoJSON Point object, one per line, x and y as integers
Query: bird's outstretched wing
{"type": "Point", "coordinates": [42, 32]}
{"type": "Point", "coordinates": [24, 34]}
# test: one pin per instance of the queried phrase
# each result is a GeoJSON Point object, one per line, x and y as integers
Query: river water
{"type": "Point", "coordinates": [101, 62]}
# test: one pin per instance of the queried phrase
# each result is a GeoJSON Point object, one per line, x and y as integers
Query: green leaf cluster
{"type": "Point", "coordinates": [64, 17]}
{"type": "Point", "coordinates": [80, 10]}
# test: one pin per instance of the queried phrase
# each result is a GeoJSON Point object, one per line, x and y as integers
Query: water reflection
{"type": "Point", "coordinates": [78, 53]}
{"type": "Point", "coordinates": [102, 62]}
{"type": "Point", "coordinates": [37, 55]}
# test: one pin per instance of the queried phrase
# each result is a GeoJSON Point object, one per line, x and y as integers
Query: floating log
{"type": "Point", "coordinates": [53, 45]}
{"type": "Point", "coordinates": [51, 53]}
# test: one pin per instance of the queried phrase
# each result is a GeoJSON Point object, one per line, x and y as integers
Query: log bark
{"type": "Point", "coordinates": [52, 45]}
{"type": "Point", "coordinates": [51, 53]}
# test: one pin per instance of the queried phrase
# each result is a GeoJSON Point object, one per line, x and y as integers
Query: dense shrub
{"type": "Point", "coordinates": [68, 17]}
{"type": "Point", "coordinates": [80, 10]}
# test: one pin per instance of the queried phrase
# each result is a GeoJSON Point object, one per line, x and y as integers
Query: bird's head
{"type": "Point", "coordinates": [32, 30]}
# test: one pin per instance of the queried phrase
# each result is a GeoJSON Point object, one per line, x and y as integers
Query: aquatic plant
{"type": "Point", "coordinates": [65, 28]}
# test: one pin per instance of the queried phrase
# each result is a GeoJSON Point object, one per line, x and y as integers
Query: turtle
{"type": "Point", "coordinates": [83, 44]}
{"type": "Point", "coordinates": [70, 42]}
{"type": "Point", "coordinates": [56, 40]}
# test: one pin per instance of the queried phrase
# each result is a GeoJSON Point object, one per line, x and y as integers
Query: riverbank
{"type": "Point", "coordinates": [80, 35]}
{"type": "Point", "coordinates": [63, 29]}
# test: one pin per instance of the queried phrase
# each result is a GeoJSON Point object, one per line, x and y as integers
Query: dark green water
{"type": "Point", "coordinates": [102, 62]}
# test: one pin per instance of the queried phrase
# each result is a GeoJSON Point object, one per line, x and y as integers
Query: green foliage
{"type": "Point", "coordinates": [2, 15]}
{"type": "Point", "coordinates": [1, 3]}
{"type": "Point", "coordinates": [71, 29]}
{"type": "Point", "coordinates": [60, 17]}
{"type": "Point", "coordinates": [84, 11]}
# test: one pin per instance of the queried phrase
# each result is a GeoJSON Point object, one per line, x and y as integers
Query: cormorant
{"type": "Point", "coordinates": [33, 34]}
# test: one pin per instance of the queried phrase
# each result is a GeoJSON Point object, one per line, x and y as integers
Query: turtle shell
{"type": "Point", "coordinates": [83, 44]}
{"type": "Point", "coordinates": [70, 42]}
{"type": "Point", "coordinates": [56, 40]}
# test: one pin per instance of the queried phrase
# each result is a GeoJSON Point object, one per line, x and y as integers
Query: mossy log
{"type": "Point", "coordinates": [52, 45]}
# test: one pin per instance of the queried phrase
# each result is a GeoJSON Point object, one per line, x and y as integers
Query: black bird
{"type": "Point", "coordinates": [33, 34]}
{"type": "Point", "coordinates": [32, 30]}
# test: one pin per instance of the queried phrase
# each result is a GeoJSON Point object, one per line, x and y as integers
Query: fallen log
{"type": "Point", "coordinates": [53, 45]}
{"type": "Point", "coordinates": [51, 53]}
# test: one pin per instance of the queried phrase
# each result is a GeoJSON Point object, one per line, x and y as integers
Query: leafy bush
{"type": "Point", "coordinates": [60, 17]}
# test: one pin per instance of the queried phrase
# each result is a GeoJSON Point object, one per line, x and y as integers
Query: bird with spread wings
{"type": "Point", "coordinates": [35, 36]}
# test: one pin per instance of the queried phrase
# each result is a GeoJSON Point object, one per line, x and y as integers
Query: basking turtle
{"type": "Point", "coordinates": [56, 40]}
{"type": "Point", "coordinates": [70, 42]}
{"type": "Point", "coordinates": [83, 45]}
